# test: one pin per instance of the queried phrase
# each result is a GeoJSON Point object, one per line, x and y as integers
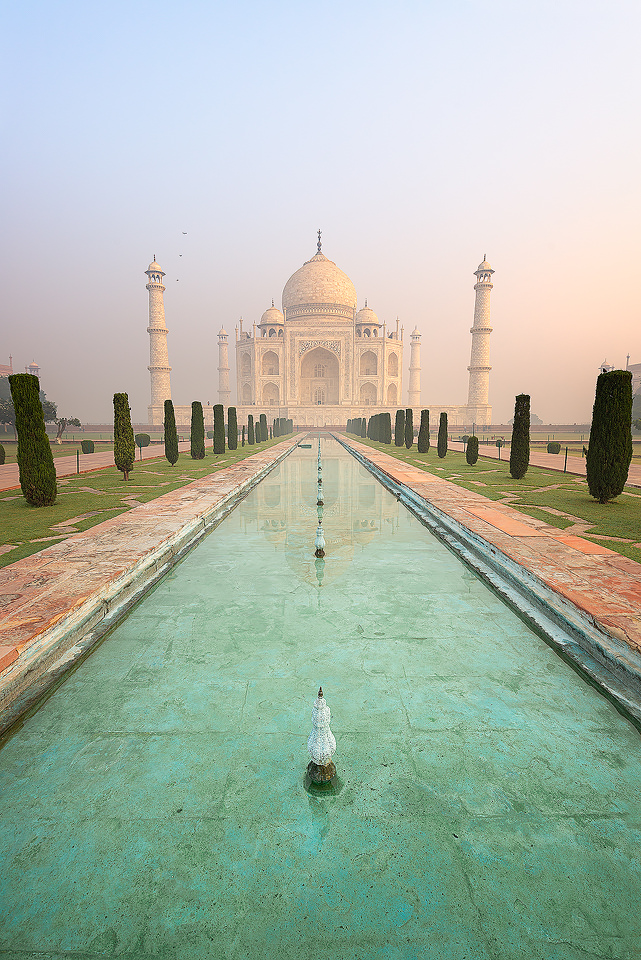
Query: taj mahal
{"type": "Point", "coordinates": [319, 360]}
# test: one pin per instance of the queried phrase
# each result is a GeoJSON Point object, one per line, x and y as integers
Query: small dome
{"type": "Point", "coordinates": [317, 284]}
{"type": "Point", "coordinates": [154, 268]}
{"type": "Point", "coordinates": [366, 315]}
{"type": "Point", "coordinates": [272, 315]}
{"type": "Point", "coordinates": [416, 332]}
{"type": "Point", "coordinates": [222, 332]}
{"type": "Point", "coordinates": [484, 266]}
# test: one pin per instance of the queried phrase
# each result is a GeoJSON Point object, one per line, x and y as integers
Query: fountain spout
{"type": "Point", "coordinates": [321, 743]}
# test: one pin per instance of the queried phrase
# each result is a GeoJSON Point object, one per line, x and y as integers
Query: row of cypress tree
{"type": "Point", "coordinates": [256, 432]}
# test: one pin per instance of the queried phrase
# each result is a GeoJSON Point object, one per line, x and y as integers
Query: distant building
{"type": "Point", "coordinates": [6, 371]}
{"type": "Point", "coordinates": [33, 368]}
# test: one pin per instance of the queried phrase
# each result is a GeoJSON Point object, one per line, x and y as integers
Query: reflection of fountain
{"type": "Point", "coordinates": [321, 743]}
{"type": "Point", "coordinates": [320, 571]}
{"type": "Point", "coordinates": [319, 543]}
{"type": "Point", "coordinates": [319, 496]}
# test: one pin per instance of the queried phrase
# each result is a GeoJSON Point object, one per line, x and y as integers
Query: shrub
{"type": "Point", "coordinates": [263, 427]}
{"type": "Point", "coordinates": [243, 435]}
{"type": "Point", "coordinates": [520, 448]}
{"type": "Point", "coordinates": [35, 460]}
{"type": "Point", "coordinates": [363, 428]}
{"type": "Point", "coordinates": [124, 446]}
{"type": "Point", "coordinates": [409, 428]}
{"type": "Point", "coordinates": [472, 450]}
{"type": "Point", "coordinates": [610, 443]}
{"type": "Point", "coordinates": [250, 431]}
{"type": "Point", "coordinates": [387, 427]}
{"type": "Point", "coordinates": [219, 428]}
{"type": "Point", "coordinates": [424, 432]}
{"type": "Point", "coordinates": [3, 455]}
{"type": "Point", "coordinates": [399, 428]}
{"type": "Point", "coordinates": [197, 431]}
{"type": "Point", "coordinates": [441, 445]}
{"type": "Point", "coordinates": [232, 428]}
{"type": "Point", "coordinates": [554, 447]}
{"type": "Point", "coordinates": [141, 440]}
{"type": "Point", "coordinates": [171, 435]}
{"type": "Point", "coordinates": [87, 446]}
{"type": "Point", "coordinates": [210, 434]}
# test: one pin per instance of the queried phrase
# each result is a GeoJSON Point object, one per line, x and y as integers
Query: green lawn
{"type": "Point", "coordinates": [543, 494]}
{"type": "Point", "coordinates": [89, 498]}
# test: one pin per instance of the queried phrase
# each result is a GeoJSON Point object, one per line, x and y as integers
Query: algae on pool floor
{"type": "Point", "coordinates": [154, 805]}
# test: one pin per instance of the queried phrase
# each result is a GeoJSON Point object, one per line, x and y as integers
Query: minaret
{"type": "Point", "coordinates": [224, 393]}
{"type": "Point", "coordinates": [479, 368]}
{"type": "Point", "coordinates": [158, 357]}
{"type": "Point", "coordinates": [414, 391]}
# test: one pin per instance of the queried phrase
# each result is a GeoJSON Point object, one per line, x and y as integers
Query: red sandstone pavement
{"type": "Point", "coordinates": [551, 461]}
{"type": "Point", "coordinates": [42, 590]}
{"type": "Point", "coordinates": [597, 580]}
{"type": "Point", "coordinates": [66, 466]}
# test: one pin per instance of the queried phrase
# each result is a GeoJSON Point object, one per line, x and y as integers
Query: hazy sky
{"type": "Point", "coordinates": [417, 135]}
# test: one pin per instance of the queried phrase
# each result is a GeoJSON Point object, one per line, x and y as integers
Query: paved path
{"type": "Point", "coordinates": [551, 461]}
{"type": "Point", "coordinates": [597, 580]}
{"type": "Point", "coordinates": [66, 466]}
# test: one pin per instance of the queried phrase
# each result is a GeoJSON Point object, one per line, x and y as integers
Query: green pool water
{"type": "Point", "coordinates": [154, 805]}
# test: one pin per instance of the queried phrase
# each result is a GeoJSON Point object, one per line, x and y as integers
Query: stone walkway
{"type": "Point", "coordinates": [67, 466]}
{"type": "Point", "coordinates": [597, 580]}
{"type": "Point", "coordinates": [73, 584]}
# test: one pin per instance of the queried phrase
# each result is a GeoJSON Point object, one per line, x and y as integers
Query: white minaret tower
{"type": "Point", "coordinates": [414, 390]}
{"type": "Point", "coordinates": [159, 368]}
{"type": "Point", "coordinates": [478, 398]}
{"type": "Point", "coordinates": [224, 392]}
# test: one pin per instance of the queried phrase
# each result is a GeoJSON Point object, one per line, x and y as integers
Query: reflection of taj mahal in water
{"type": "Point", "coordinates": [320, 361]}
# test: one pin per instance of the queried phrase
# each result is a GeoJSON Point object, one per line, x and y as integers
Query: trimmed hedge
{"type": "Point", "coordinates": [87, 446]}
{"type": "Point", "coordinates": [171, 434]}
{"type": "Point", "coordinates": [520, 447]}
{"type": "Point", "coordinates": [35, 460]}
{"type": "Point", "coordinates": [124, 446]}
{"type": "Point", "coordinates": [554, 447]}
{"type": "Point", "coordinates": [610, 445]}
{"type": "Point", "coordinates": [141, 440]}
{"type": "Point", "coordinates": [472, 450]}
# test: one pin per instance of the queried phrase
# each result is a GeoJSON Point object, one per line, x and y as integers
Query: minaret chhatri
{"type": "Point", "coordinates": [479, 368]}
{"type": "Point", "coordinates": [414, 389]}
{"type": "Point", "coordinates": [159, 368]}
{"type": "Point", "coordinates": [224, 392]}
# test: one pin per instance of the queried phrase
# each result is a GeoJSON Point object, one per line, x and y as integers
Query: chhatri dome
{"type": "Point", "coordinates": [272, 315]}
{"type": "Point", "coordinates": [317, 284]}
{"type": "Point", "coordinates": [367, 315]}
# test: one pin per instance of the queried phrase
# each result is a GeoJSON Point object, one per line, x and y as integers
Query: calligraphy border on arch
{"type": "Point", "coordinates": [305, 345]}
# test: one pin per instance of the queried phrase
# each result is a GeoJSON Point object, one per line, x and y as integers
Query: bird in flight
{"type": "Point", "coordinates": [184, 233]}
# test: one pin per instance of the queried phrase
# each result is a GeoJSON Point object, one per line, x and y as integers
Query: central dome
{"type": "Point", "coordinates": [319, 287]}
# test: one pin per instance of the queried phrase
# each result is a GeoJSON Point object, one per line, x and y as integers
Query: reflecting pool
{"type": "Point", "coordinates": [154, 805]}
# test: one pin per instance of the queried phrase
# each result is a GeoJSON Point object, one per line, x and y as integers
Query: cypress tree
{"type": "Point", "coordinates": [243, 434]}
{"type": "Point", "coordinates": [472, 450]}
{"type": "Point", "coordinates": [232, 428]}
{"type": "Point", "coordinates": [263, 427]}
{"type": "Point", "coordinates": [219, 428]}
{"type": "Point", "coordinates": [387, 427]}
{"type": "Point", "coordinates": [197, 431]}
{"type": "Point", "coordinates": [363, 427]}
{"type": "Point", "coordinates": [441, 446]}
{"type": "Point", "coordinates": [124, 446]}
{"type": "Point", "coordinates": [35, 459]}
{"type": "Point", "coordinates": [610, 446]}
{"type": "Point", "coordinates": [3, 455]}
{"type": "Point", "coordinates": [520, 447]}
{"type": "Point", "coordinates": [171, 434]}
{"type": "Point", "coordinates": [277, 428]}
{"type": "Point", "coordinates": [409, 428]}
{"type": "Point", "coordinates": [250, 430]}
{"type": "Point", "coordinates": [257, 430]}
{"type": "Point", "coordinates": [399, 428]}
{"type": "Point", "coordinates": [424, 432]}
{"type": "Point", "coordinates": [271, 435]}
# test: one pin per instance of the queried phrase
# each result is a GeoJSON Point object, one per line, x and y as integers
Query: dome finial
{"type": "Point", "coordinates": [318, 245]}
{"type": "Point", "coordinates": [366, 301]}
{"type": "Point", "coordinates": [272, 301]}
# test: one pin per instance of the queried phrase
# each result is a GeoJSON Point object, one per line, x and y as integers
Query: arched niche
{"type": "Point", "coordinates": [247, 393]}
{"type": "Point", "coordinates": [245, 365]}
{"type": "Point", "coordinates": [369, 364]}
{"type": "Point", "coordinates": [368, 394]}
{"type": "Point", "coordinates": [391, 394]}
{"type": "Point", "coordinates": [319, 370]}
{"type": "Point", "coordinates": [392, 365]}
{"type": "Point", "coordinates": [270, 364]}
{"type": "Point", "coordinates": [271, 393]}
